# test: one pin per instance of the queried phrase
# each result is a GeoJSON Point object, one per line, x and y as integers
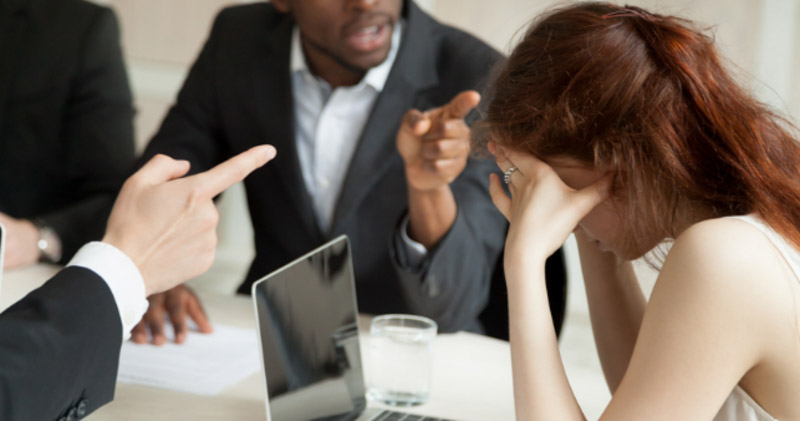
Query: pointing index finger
{"type": "Point", "coordinates": [234, 170]}
{"type": "Point", "coordinates": [462, 104]}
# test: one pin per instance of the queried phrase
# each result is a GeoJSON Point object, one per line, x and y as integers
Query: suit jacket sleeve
{"type": "Point", "coordinates": [59, 348]}
{"type": "Point", "coordinates": [97, 135]}
{"type": "Point", "coordinates": [452, 286]}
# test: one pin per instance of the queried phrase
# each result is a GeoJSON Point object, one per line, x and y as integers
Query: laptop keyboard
{"type": "Point", "coordinates": [400, 416]}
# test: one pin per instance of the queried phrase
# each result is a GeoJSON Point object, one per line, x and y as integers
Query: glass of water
{"type": "Point", "coordinates": [401, 359]}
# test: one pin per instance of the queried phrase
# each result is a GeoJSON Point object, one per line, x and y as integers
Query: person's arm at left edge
{"type": "Point", "coordinates": [59, 346]}
{"type": "Point", "coordinates": [449, 216]}
{"type": "Point", "coordinates": [97, 137]}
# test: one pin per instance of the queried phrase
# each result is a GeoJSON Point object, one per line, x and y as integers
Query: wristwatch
{"type": "Point", "coordinates": [49, 245]}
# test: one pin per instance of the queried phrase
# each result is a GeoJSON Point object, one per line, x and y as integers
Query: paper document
{"type": "Point", "coordinates": [205, 364]}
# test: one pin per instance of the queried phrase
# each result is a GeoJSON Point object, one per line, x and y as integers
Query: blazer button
{"type": "Point", "coordinates": [83, 408]}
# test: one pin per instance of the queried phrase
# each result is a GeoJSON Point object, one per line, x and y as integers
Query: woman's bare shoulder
{"type": "Point", "coordinates": [724, 243]}
{"type": "Point", "coordinates": [717, 311]}
{"type": "Point", "coordinates": [730, 261]}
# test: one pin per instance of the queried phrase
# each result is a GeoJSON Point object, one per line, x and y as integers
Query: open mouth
{"type": "Point", "coordinates": [369, 38]}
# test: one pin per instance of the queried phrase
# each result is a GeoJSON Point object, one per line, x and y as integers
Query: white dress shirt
{"type": "Point", "coordinates": [328, 126]}
{"type": "Point", "coordinates": [122, 277]}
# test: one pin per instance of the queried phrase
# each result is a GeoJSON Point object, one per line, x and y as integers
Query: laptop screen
{"type": "Point", "coordinates": [307, 320]}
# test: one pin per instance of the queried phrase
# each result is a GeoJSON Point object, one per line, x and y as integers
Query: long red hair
{"type": "Point", "coordinates": [647, 97]}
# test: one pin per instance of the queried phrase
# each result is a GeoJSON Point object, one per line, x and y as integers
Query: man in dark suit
{"type": "Point", "coordinates": [66, 133]}
{"type": "Point", "coordinates": [59, 346]}
{"type": "Point", "coordinates": [328, 82]}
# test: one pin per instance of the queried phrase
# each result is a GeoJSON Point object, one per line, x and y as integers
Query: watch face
{"type": "Point", "coordinates": [49, 245]}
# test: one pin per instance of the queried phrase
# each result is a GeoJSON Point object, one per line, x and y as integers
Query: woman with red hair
{"type": "Point", "coordinates": [624, 127]}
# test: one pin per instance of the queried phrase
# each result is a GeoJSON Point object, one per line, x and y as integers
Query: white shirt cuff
{"type": "Point", "coordinates": [416, 252]}
{"type": "Point", "coordinates": [122, 277]}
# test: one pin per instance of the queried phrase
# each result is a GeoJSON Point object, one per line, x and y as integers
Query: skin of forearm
{"type": "Point", "coordinates": [431, 213]}
{"type": "Point", "coordinates": [616, 308]}
{"type": "Point", "coordinates": [541, 388]}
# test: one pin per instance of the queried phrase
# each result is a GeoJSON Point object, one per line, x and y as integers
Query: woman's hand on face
{"type": "Point", "coordinates": [542, 210]}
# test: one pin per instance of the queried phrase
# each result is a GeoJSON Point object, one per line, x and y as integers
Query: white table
{"type": "Point", "coordinates": [471, 377]}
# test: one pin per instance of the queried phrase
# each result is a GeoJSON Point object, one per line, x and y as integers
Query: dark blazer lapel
{"type": "Point", "coordinates": [413, 71]}
{"type": "Point", "coordinates": [275, 105]}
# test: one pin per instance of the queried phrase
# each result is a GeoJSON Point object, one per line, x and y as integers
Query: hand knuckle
{"type": "Point", "coordinates": [410, 117]}
{"type": "Point", "coordinates": [134, 182]}
{"type": "Point", "coordinates": [194, 196]}
{"type": "Point", "coordinates": [175, 307]}
{"type": "Point", "coordinates": [211, 217]}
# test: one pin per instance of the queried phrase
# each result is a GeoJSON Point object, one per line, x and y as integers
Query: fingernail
{"type": "Point", "coordinates": [415, 119]}
{"type": "Point", "coordinates": [267, 153]}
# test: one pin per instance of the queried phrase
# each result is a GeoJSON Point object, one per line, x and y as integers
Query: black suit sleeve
{"type": "Point", "coordinates": [97, 135]}
{"type": "Point", "coordinates": [452, 286]}
{"type": "Point", "coordinates": [59, 348]}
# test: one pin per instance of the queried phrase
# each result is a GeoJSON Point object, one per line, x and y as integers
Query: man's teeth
{"type": "Point", "coordinates": [368, 34]}
{"type": "Point", "coordinates": [370, 30]}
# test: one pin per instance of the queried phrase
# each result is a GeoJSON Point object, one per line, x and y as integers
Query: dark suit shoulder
{"type": "Point", "coordinates": [78, 7]}
{"type": "Point", "coordinates": [462, 61]}
{"type": "Point", "coordinates": [61, 28]}
{"type": "Point", "coordinates": [248, 17]}
{"type": "Point", "coordinates": [240, 30]}
{"type": "Point", "coordinates": [461, 52]}
{"type": "Point", "coordinates": [76, 13]}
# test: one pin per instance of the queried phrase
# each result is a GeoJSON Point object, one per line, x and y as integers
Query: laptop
{"type": "Point", "coordinates": [308, 332]}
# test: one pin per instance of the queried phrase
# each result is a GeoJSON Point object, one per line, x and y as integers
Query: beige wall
{"type": "Point", "coordinates": [794, 99]}
{"type": "Point", "coordinates": [745, 31]}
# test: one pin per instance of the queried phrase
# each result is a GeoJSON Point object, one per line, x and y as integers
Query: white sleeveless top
{"type": "Point", "coordinates": [740, 406]}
